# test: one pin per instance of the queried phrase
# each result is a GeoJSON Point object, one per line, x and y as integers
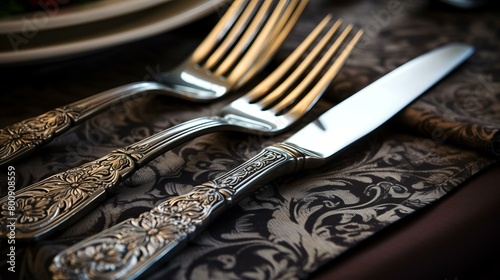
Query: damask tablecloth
{"type": "Point", "coordinates": [298, 225]}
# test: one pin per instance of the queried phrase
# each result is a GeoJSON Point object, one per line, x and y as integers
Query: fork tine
{"type": "Point", "coordinates": [313, 73]}
{"type": "Point", "coordinates": [253, 42]}
{"type": "Point", "coordinates": [238, 28]}
{"type": "Point", "coordinates": [299, 70]}
{"type": "Point", "coordinates": [270, 81]}
{"type": "Point", "coordinates": [255, 59]}
{"type": "Point", "coordinates": [220, 29]}
{"type": "Point", "coordinates": [309, 99]}
{"type": "Point", "coordinates": [250, 34]}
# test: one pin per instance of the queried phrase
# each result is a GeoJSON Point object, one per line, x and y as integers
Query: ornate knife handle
{"type": "Point", "coordinates": [57, 201]}
{"type": "Point", "coordinates": [130, 248]}
{"type": "Point", "coordinates": [24, 137]}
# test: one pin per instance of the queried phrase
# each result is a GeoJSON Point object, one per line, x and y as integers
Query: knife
{"type": "Point", "coordinates": [136, 245]}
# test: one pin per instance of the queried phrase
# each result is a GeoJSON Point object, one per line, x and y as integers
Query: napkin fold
{"type": "Point", "coordinates": [464, 109]}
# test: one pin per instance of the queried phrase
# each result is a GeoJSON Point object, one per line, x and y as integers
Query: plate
{"type": "Point", "coordinates": [52, 44]}
{"type": "Point", "coordinates": [52, 16]}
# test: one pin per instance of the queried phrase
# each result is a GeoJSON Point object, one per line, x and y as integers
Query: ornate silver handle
{"type": "Point", "coordinates": [61, 199]}
{"type": "Point", "coordinates": [130, 248]}
{"type": "Point", "coordinates": [24, 137]}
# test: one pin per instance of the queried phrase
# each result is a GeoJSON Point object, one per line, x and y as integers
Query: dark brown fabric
{"type": "Point", "coordinates": [299, 224]}
{"type": "Point", "coordinates": [456, 238]}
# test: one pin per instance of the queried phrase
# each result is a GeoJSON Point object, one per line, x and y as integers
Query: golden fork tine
{"type": "Point", "coordinates": [279, 34]}
{"type": "Point", "coordinates": [305, 103]}
{"type": "Point", "coordinates": [270, 81]}
{"type": "Point", "coordinates": [313, 73]}
{"type": "Point", "coordinates": [300, 69]}
{"type": "Point", "coordinates": [250, 34]}
{"type": "Point", "coordinates": [212, 39]}
{"type": "Point", "coordinates": [241, 25]}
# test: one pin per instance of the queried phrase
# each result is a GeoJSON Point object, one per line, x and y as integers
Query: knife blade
{"type": "Point", "coordinates": [141, 243]}
{"type": "Point", "coordinates": [379, 101]}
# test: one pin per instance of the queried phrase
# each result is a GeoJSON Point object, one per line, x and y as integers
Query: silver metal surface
{"type": "Point", "coordinates": [369, 108]}
{"type": "Point", "coordinates": [239, 46]}
{"type": "Point", "coordinates": [157, 235]}
{"type": "Point", "coordinates": [275, 104]}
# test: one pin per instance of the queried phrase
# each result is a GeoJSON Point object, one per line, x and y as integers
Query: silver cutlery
{"type": "Point", "coordinates": [155, 236]}
{"type": "Point", "coordinates": [272, 106]}
{"type": "Point", "coordinates": [239, 46]}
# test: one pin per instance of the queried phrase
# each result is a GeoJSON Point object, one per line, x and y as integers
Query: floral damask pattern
{"type": "Point", "coordinates": [290, 228]}
{"type": "Point", "coordinates": [160, 230]}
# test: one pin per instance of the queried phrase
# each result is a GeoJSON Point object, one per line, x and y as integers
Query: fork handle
{"type": "Point", "coordinates": [21, 138]}
{"type": "Point", "coordinates": [57, 201]}
{"type": "Point", "coordinates": [135, 245]}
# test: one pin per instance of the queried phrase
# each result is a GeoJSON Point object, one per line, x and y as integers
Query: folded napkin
{"type": "Point", "coordinates": [463, 111]}
{"type": "Point", "coordinates": [294, 226]}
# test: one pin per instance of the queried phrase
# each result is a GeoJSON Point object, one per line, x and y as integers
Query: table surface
{"type": "Point", "coordinates": [452, 238]}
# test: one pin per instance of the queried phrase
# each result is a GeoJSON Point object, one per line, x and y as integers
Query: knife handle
{"type": "Point", "coordinates": [135, 245]}
{"type": "Point", "coordinates": [22, 138]}
{"type": "Point", "coordinates": [57, 201]}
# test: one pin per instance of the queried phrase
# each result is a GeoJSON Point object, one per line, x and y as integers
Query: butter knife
{"type": "Point", "coordinates": [137, 244]}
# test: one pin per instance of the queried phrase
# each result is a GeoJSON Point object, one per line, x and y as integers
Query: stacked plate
{"type": "Point", "coordinates": [55, 33]}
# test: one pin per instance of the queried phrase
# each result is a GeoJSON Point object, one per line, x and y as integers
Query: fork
{"type": "Point", "coordinates": [272, 106]}
{"type": "Point", "coordinates": [240, 45]}
{"type": "Point", "coordinates": [138, 244]}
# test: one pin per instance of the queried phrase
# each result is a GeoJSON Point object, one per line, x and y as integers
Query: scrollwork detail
{"type": "Point", "coordinates": [53, 198]}
{"type": "Point", "coordinates": [32, 132]}
{"type": "Point", "coordinates": [117, 252]}
{"type": "Point", "coordinates": [28, 134]}
{"type": "Point", "coordinates": [126, 248]}
{"type": "Point", "coordinates": [135, 151]}
{"type": "Point", "coordinates": [230, 180]}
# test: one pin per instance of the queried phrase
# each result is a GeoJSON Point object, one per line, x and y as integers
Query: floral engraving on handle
{"type": "Point", "coordinates": [136, 151]}
{"type": "Point", "coordinates": [30, 133]}
{"type": "Point", "coordinates": [134, 244]}
{"type": "Point", "coordinates": [52, 199]}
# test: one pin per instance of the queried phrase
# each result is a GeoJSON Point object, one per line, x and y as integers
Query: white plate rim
{"type": "Point", "coordinates": [191, 11]}
{"type": "Point", "coordinates": [74, 15]}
